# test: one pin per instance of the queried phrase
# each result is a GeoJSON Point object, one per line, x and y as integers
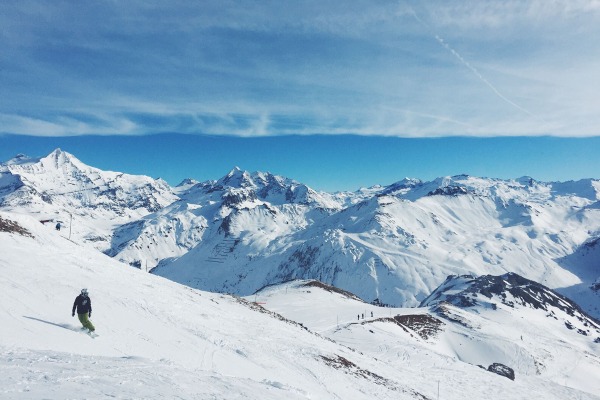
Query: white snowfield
{"type": "Point", "coordinates": [159, 339]}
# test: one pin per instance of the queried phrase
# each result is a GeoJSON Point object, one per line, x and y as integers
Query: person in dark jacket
{"type": "Point", "coordinates": [83, 305]}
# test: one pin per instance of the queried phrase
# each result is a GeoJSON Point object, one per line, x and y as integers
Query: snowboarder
{"type": "Point", "coordinates": [58, 226]}
{"type": "Point", "coordinates": [83, 304]}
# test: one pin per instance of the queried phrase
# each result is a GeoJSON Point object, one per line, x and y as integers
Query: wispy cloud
{"type": "Point", "coordinates": [284, 67]}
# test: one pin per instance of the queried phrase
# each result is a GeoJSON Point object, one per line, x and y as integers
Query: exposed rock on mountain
{"type": "Point", "coordinates": [512, 290]}
{"type": "Point", "coordinates": [502, 370]}
{"type": "Point", "coordinates": [7, 225]}
{"type": "Point", "coordinates": [519, 341]}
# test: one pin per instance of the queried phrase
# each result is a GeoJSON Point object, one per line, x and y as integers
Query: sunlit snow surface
{"type": "Point", "coordinates": [158, 339]}
{"type": "Point", "coordinates": [391, 244]}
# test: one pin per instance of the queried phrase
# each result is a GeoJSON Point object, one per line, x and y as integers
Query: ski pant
{"type": "Point", "coordinates": [83, 318]}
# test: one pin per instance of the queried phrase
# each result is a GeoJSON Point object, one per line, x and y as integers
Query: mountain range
{"type": "Point", "coordinates": [390, 245]}
{"type": "Point", "coordinates": [492, 337]}
{"type": "Point", "coordinates": [461, 287]}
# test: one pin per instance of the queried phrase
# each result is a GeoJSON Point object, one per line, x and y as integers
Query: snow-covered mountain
{"type": "Point", "coordinates": [511, 291]}
{"type": "Point", "coordinates": [159, 339]}
{"type": "Point", "coordinates": [537, 329]}
{"type": "Point", "coordinates": [214, 214]}
{"type": "Point", "coordinates": [60, 188]}
{"type": "Point", "coordinates": [503, 324]}
{"type": "Point", "coordinates": [398, 243]}
{"type": "Point", "coordinates": [387, 244]}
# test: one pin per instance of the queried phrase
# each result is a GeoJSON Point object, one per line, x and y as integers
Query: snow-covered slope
{"type": "Point", "coordinates": [543, 339]}
{"type": "Point", "coordinates": [159, 339]}
{"type": "Point", "coordinates": [538, 330]}
{"type": "Point", "coordinates": [585, 262]}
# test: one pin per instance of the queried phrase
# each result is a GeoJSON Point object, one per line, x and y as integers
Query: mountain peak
{"type": "Point", "coordinates": [235, 170]}
{"type": "Point", "coordinates": [58, 158]}
{"type": "Point", "coordinates": [511, 290]}
{"type": "Point", "coordinates": [188, 182]}
{"type": "Point", "coordinates": [17, 160]}
{"type": "Point", "coordinates": [58, 153]}
{"type": "Point", "coordinates": [237, 178]}
{"type": "Point", "coordinates": [21, 157]}
{"type": "Point", "coordinates": [526, 181]}
{"type": "Point", "coordinates": [403, 185]}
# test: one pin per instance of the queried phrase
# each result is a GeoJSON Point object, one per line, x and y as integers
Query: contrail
{"type": "Point", "coordinates": [481, 77]}
{"type": "Point", "coordinates": [469, 66]}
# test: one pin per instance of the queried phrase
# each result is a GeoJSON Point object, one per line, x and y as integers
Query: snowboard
{"type": "Point", "coordinates": [89, 333]}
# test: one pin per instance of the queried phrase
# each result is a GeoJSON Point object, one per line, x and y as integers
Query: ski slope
{"type": "Point", "coordinates": [159, 339]}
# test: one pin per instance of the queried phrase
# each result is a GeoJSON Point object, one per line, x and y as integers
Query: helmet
{"type": "Point", "coordinates": [84, 292]}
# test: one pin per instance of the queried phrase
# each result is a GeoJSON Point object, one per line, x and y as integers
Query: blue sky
{"type": "Point", "coordinates": [327, 77]}
{"type": "Point", "coordinates": [325, 162]}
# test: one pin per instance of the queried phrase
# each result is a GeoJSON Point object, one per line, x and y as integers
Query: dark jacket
{"type": "Point", "coordinates": [83, 304]}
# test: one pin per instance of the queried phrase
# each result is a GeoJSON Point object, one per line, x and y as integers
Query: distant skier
{"type": "Point", "coordinates": [58, 226]}
{"type": "Point", "coordinates": [83, 304]}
